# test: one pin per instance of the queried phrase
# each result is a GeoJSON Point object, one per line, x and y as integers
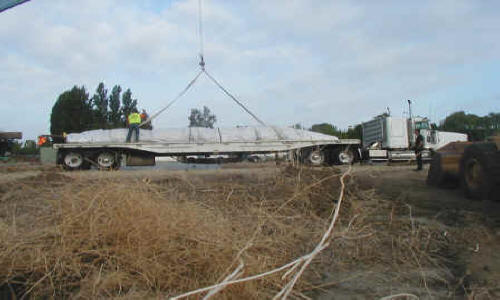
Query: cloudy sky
{"type": "Point", "coordinates": [294, 61]}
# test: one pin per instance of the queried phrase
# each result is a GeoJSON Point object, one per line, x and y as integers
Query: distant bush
{"type": "Point", "coordinates": [27, 148]}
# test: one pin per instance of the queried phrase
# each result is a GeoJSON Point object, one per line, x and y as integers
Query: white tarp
{"type": "Point", "coordinates": [201, 135]}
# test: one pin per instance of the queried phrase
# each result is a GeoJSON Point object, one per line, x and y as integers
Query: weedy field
{"type": "Point", "coordinates": [160, 234]}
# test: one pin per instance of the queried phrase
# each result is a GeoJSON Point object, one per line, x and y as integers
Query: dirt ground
{"type": "Point", "coordinates": [473, 263]}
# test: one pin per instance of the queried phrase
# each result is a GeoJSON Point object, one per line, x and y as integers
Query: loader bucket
{"type": "Point", "coordinates": [445, 165]}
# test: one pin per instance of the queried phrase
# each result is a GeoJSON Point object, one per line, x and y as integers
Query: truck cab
{"type": "Point", "coordinates": [434, 139]}
{"type": "Point", "coordinates": [392, 138]}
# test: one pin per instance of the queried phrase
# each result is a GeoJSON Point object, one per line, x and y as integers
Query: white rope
{"type": "Point", "coordinates": [322, 244]}
{"type": "Point", "coordinates": [236, 273]}
{"type": "Point", "coordinates": [293, 265]}
{"type": "Point", "coordinates": [208, 288]}
{"type": "Point", "coordinates": [407, 296]}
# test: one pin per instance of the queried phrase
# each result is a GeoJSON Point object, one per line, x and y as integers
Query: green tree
{"type": "Point", "coordinates": [476, 127]}
{"type": "Point", "coordinates": [326, 128]}
{"type": "Point", "coordinates": [72, 112]}
{"type": "Point", "coordinates": [492, 122]}
{"type": "Point", "coordinates": [330, 129]}
{"type": "Point", "coordinates": [128, 104]}
{"type": "Point", "coordinates": [114, 116]}
{"type": "Point", "coordinates": [355, 132]}
{"type": "Point", "coordinates": [100, 101]}
{"type": "Point", "coordinates": [204, 118]}
{"type": "Point", "coordinates": [75, 112]}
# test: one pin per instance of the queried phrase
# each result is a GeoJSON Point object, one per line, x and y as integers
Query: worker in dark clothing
{"type": "Point", "coordinates": [133, 120]}
{"type": "Point", "coordinates": [419, 147]}
{"type": "Point", "coordinates": [144, 118]}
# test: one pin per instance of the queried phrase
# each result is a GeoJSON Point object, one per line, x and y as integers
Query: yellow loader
{"type": "Point", "coordinates": [474, 166]}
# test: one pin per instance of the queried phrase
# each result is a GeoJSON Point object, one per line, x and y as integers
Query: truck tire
{"type": "Point", "coordinates": [480, 172]}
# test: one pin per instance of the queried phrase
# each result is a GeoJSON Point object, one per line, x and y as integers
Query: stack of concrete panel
{"type": "Point", "coordinates": [202, 135]}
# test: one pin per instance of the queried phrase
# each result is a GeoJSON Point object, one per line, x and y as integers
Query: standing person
{"type": "Point", "coordinates": [133, 120]}
{"type": "Point", "coordinates": [419, 147]}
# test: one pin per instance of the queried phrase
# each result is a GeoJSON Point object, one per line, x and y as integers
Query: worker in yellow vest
{"type": "Point", "coordinates": [133, 120]}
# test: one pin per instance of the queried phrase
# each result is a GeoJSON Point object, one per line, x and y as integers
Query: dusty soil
{"type": "Point", "coordinates": [471, 228]}
{"type": "Point", "coordinates": [476, 263]}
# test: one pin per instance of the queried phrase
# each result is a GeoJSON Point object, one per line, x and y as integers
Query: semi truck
{"type": "Point", "coordinates": [107, 149]}
{"type": "Point", "coordinates": [387, 138]}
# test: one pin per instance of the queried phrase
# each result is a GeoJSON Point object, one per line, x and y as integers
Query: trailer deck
{"type": "Point", "coordinates": [106, 149]}
{"type": "Point", "coordinates": [176, 149]}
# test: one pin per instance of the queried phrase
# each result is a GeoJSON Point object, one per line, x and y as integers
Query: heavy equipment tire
{"type": "Point", "coordinates": [480, 172]}
{"type": "Point", "coordinates": [73, 160]}
{"type": "Point", "coordinates": [437, 177]}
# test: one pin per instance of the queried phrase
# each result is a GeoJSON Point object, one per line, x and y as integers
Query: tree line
{"type": "Point", "coordinates": [330, 129]}
{"type": "Point", "coordinates": [75, 111]}
{"type": "Point", "coordinates": [476, 127]}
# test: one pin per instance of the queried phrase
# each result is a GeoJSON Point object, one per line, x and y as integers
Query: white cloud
{"type": "Point", "coordinates": [290, 61]}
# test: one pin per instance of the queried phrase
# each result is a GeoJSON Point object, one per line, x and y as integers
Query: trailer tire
{"type": "Point", "coordinates": [313, 157]}
{"type": "Point", "coordinates": [253, 158]}
{"type": "Point", "coordinates": [343, 156]}
{"type": "Point", "coordinates": [479, 172]}
{"type": "Point", "coordinates": [107, 160]}
{"type": "Point", "coordinates": [72, 160]}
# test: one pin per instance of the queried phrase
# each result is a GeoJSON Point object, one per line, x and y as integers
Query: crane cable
{"type": "Point", "coordinates": [202, 65]}
{"type": "Point", "coordinates": [203, 70]}
{"type": "Point", "coordinates": [174, 100]}
{"type": "Point", "coordinates": [200, 33]}
{"type": "Point", "coordinates": [234, 98]}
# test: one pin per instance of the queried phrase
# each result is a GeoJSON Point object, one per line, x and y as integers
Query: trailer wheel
{"type": "Point", "coordinates": [479, 171]}
{"type": "Point", "coordinates": [343, 157]}
{"type": "Point", "coordinates": [314, 157]}
{"type": "Point", "coordinates": [73, 160]}
{"type": "Point", "coordinates": [107, 160]}
{"type": "Point", "coordinates": [253, 158]}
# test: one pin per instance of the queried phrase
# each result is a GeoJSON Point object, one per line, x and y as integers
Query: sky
{"type": "Point", "coordinates": [293, 61]}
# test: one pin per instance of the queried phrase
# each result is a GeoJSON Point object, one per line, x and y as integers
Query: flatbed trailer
{"type": "Point", "coordinates": [110, 155]}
